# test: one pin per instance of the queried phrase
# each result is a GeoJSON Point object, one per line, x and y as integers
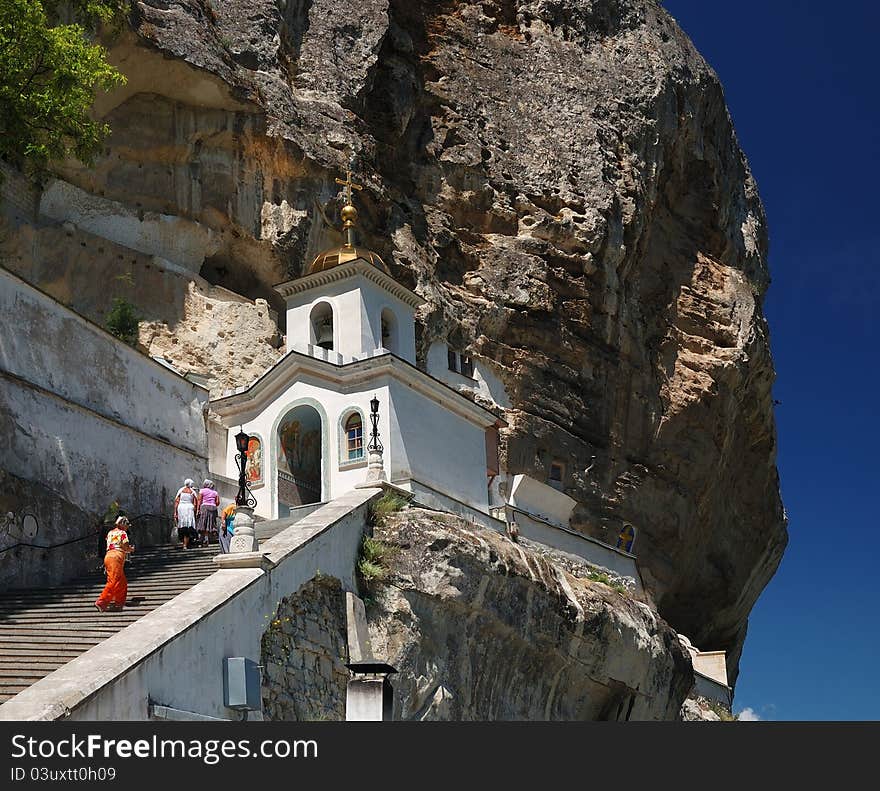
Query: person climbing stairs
{"type": "Point", "coordinates": [42, 629]}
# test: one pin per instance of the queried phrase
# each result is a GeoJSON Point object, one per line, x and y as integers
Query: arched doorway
{"type": "Point", "coordinates": [298, 460]}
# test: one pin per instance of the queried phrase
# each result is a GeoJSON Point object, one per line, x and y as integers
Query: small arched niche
{"type": "Point", "coordinates": [389, 331]}
{"type": "Point", "coordinates": [321, 325]}
{"type": "Point", "coordinates": [626, 538]}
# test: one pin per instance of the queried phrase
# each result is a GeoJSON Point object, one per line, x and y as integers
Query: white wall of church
{"type": "Point", "coordinates": [357, 310]}
{"type": "Point", "coordinates": [337, 473]}
{"type": "Point", "coordinates": [88, 416]}
{"type": "Point", "coordinates": [484, 381]}
{"type": "Point", "coordinates": [437, 448]}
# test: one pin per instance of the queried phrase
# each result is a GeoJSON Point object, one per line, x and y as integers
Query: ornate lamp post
{"type": "Point", "coordinates": [375, 445]}
{"type": "Point", "coordinates": [245, 495]}
{"type": "Point", "coordinates": [244, 538]}
{"type": "Point", "coordinates": [375, 465]}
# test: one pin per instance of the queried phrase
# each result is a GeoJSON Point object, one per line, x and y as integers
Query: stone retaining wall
{"type": "Point", "coordinates": [304, 650]}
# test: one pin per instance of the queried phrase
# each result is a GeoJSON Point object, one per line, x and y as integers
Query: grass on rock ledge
{"type": "Point", "coordinates": [375, 554]}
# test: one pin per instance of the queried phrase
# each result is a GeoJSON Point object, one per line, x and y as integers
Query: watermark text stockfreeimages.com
{"type": "Point", "coordinates": [211, 751]}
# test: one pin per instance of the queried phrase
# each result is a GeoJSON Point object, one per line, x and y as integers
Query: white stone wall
{"type": "Point", "coordinates": [357, 309]}
{"type": "Point", "coordinates": [541, 500]}
{"type": "Point", "coordinates": [437, 448]}
{"type": "Point", "coordinates": [88, 416]}
{"type": "Point", "coordinates": [169, 237]}
{"type": "Point", "coordinates": [591, 550]}
{"type": "Point", "coordinates": [712, 664]}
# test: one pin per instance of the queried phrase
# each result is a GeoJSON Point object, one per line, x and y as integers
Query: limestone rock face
{"type": "Point", "coordinates": [558, 178]}
{"type": "Point", "coordinates": [481, 629]}
{"type": "Point", "coordinates": [699, 709]}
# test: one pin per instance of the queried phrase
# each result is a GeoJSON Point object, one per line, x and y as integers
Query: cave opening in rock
{"type": "Point", "coordinates": [244, 281]}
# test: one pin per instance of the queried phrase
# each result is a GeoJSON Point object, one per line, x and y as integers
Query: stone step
{"type": "Point", "coordinates": [139, 591]}
{"type": "Point", "coordinates": [134, 590]}
{"type": "Point", "coordinates": [8, 690]}
{"type": "Point", "coordinates": [27, 661]}
{"type": "Point", "coordinates": [44, 665]}
{"type": "Point", "coordinates": [85, 610]}
{"type": "Point", "coordinates": [102, 620]}
{"type": "Point", "coordinates": [161, 583]}
{"type": "Point", "coordinates": [49, 642]}
{"type": "Point", "coordinates": [22, 632]}
{"type": "Point", "coordinates": [176, 569]}
{"type": "Point", "coordinates": [46, 650]}
{"type": "Point", "coordinates": [135, 599]}
{"type": "Point", "coordinates": [135, 596]}
{"type": "Point", "coordinates": [145, 597]}
{"type": "Point", "coordinates": [63, 618]}
{"type": "Point", "coordinates": [50, 636]}
{"type": "Point", "coordinates": [94, 578]}
{"type": "Point", "coordinates": [30, 651]}
{"type": "Point", "coordinates": [22, 673]}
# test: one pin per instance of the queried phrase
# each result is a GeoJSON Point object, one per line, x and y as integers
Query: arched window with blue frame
{"type": "Point", "coordinates": [353, 440]}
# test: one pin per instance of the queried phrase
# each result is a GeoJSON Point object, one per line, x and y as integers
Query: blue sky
{"type": "Point", "coordinates": [800, 80]}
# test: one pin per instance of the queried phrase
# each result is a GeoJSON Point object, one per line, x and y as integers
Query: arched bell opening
{"type": "Point", "coordinates": [389, 331]}
{"type": "Point", "coordinates": [321, 325]}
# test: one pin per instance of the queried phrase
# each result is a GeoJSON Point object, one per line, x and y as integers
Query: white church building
{"type": "Point", "coordinates": [350, 338]}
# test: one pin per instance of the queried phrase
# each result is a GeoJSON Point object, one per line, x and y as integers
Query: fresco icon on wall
{"type": "Point", "coordinates": [300, 445]}
{"type": "Point", "coordinates": [254, 468]}
{"type": "Point", "coordinates": [627, 538]}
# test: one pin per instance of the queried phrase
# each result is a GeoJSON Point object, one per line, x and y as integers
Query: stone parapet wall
{"type": "Point", "coordinates": [89, 419]}
{"type": "Point", "coordinates": [56, 349]}
{"type": "Point", "coordinates": [40, 519]}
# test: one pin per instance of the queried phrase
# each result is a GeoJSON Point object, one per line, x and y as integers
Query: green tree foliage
{"type": "Point", "coordinates": [49, 73]}
{"type": "Point", "coordinates": [122, 321]}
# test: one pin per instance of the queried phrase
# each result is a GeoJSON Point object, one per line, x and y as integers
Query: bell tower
{"type": "Point", "coordinates": [347, 306]}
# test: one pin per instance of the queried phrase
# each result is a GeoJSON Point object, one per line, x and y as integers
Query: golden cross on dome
{"type": "Point", "coordinates": [349, 186]}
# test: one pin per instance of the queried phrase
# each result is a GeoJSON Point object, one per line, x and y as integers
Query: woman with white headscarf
{"type": "Point", "coordinates": [185, 512]}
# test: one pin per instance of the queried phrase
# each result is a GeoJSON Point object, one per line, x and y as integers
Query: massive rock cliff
{"type": "Point", "coordinates": [558, 178]}
{"type": "Point", "coordinates": [480, 628]}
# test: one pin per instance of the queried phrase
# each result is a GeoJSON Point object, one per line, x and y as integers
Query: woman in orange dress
{"type": "Point", "coordinates": [118, 548]}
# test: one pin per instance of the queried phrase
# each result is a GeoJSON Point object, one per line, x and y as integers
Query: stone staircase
{"type": "Point", "coordinates": [42, 629]}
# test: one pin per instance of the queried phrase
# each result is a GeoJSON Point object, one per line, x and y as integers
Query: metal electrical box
{"type": "Point", "coordinates": [241, 684]}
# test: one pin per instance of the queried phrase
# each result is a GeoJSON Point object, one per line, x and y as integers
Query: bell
{"type": "Point", "coordinates": [325, 334]}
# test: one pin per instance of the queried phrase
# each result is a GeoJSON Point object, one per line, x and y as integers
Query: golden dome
{"type": "Point", "coordinates": [337, 256]}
